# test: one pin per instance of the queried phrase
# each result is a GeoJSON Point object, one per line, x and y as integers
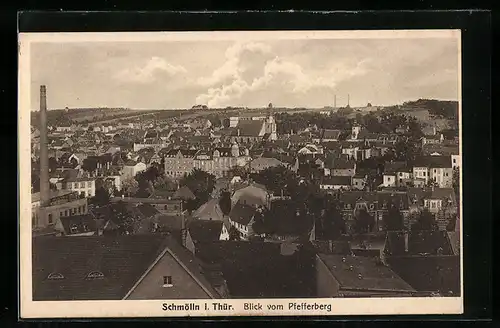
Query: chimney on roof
{"type": "Point", "coordinates": [44, 152]}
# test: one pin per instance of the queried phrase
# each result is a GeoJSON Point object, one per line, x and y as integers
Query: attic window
{"type": "Point", "coordinates": [55, 276]}
{"type": "Point", "coordinates": [167, 281]}
{"type": "Point", "coordinates": [95, 275]}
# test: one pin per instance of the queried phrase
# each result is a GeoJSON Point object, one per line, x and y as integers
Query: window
{"type": "Point", "coordinates": [61, 214]}
{"type": "Point", "coordinates": [50, 219]}
{"type": "Point", "coordinates": [95, 275]}
{"type": "Point", "coordinates": [89, 184]}
{"type": "Point", "coordinates": [82, 184]}
{"type": "Point", "coordinates": [55, 276]}
{"type": "Point", "coordinates": [423, 173]}
{"type": "Point", "coordinates": [74, 228]}
{"type": "Point", "coordinates": [454, 161]}
{"type": "Point", "coordinates": [65, 212]}
{"type": "Point", "coordinates": [167, 281]}
{"type": "Point", "coordinates": [433, 205]}
{"type": "Point", "coordinates": [79, 209]}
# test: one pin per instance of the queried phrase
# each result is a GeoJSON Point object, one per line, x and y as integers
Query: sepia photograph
{"type": "Point", "coordinates": [240, 173]}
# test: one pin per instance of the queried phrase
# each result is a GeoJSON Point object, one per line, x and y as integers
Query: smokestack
{"type": "Point", "coordinates": [348, 100]}
{"type": "Point", "coordinates": [335, 101]}
{"type": "Point", "coordinates": [44, 152]}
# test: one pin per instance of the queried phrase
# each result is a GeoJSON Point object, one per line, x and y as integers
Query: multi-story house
{"type": "Point", "coordinates": [438, 169]}
{"type": "Point", "coordinates": [179, 162]}
{"type": "Point", "coordinates": [85, 186]}
{"type": "Point", "coordinates": [131, 168]}
{"type": "Point", "coordinates": [220, 161]}
{"type": "Point", "coordinates": [375, 203]}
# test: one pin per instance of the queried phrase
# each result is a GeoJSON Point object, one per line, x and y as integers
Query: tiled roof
{"type": "Point", "coordinates": [394, 167]}
{"type": "Point", "coordinates": [209, 210]}
{"type": "Point", "coordinates": [336, 181]}
{"type": "Point", "coordinates": [429, 273]}
{"type": "Point", "coordinates": [363, 273]}
{"type": "Point", "coordinates": [35, 197]}
{"type": "Point", "coordinates": [147, 210]}
{"type": "Point", "coordinates": [433, 162]}
{"type": "Point", "coordinates": [184, 193]}
{"type": "Point", "coordinates": [122, 260]}
{"type": "Point", "coordinates": [250, 128]}
{"type": "Point", "coordinates": [205, 230]}
{"type": "Point", "coordinates": [282, 219]}
{"type": "Point", "coordinates": [78, 224]}
{"type": "Point", "coordinates": [241, 213]}
{"type": "Point", "coordinates": [330, 134]}
{"type": "Point", "coordinates": [258, 270]}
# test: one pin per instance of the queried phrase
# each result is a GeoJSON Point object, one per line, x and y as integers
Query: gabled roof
{"type": "Point", "coordinates": [249, 128]}
{"type": "Point", "coordinates": [184, 193]}
{"type": "Point", "coordinates": [147, 210]}
{"type": "Point", "coordinates": [330, 134]}
{"type": "Point", "coordinates": [122, 260]}
{"type": "Point", "coordinates": [242, 214]}
{"type": "Point", "coordinates": [205, 230]}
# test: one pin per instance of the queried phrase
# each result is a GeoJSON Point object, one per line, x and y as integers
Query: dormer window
{"type": "Point", "coordinates": [55, 276]}
{"type": "Point", "coordinates": [95, 275]}
{"type": "Point", "coordinates": [167, 281]}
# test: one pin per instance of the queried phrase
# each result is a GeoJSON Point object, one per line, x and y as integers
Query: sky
{"type": "Point", "coordinates": [286, 73]}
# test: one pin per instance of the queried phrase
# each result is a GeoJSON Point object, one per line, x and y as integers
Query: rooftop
{"type": "Point", "coordinates": [363, 273]}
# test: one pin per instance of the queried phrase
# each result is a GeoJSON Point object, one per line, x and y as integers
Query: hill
{"type": "Point", "coordinates": [441, 108]}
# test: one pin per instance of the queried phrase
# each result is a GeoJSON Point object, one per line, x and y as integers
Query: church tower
{"type": "Point", "coordinates": [356, 128]}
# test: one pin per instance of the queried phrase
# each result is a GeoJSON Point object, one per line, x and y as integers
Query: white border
{"type": "Point", "coordinates": [93, 309]}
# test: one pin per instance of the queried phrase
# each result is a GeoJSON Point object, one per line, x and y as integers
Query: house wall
{"type": "Point", "coordinates": [326, 284]}
{"type": "Point", "coordinates": [456, 161]}
{"type": "Point", "coordinates": [50, 215]}
{"type": "Point", "coordinates": [443, 176]}
{"type": "Point", "coordinates": [389, 180]}
{"type": "Point", "coordinates": [358, 184]}
{"type": "Point", "coordinates": [224, 235]}
{"type": "Point", "coordinates": [343, 172]}
{"type": "Point", "coordinates": [421, 173]}
{"type": "Point", "coordinates": [184, 286]}
{"type": "Point", "coordinates": [178, 166]}
{"type": "Point", "coordinates": [86, 187]}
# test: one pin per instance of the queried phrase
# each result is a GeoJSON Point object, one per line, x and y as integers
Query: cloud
{"type": "Point", "coordinates": [253, 67]}
{"type": "Point", "coordinates": [149, 72]}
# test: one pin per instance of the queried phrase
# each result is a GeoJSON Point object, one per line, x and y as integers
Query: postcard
{"type": "Point", "coordinates": [240, 173]}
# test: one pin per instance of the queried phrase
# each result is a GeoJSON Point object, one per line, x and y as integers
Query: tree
{"type": "Point", "coordinates": [425, 222]}
{"type": "Point", "coordinates": [331, 222]}
{"type": "Point", "coordinates": [277, 179]}
{"type": "Point", "coordinates": [164, 183]}
{"type": "Point", "coordinates": [225, 202]}
{"type": "Point", "coordinates": [364, 221]}
{"type": "Point", "coordinates": [130, 187]}
{"type": "Point", "coordinates": [101, 197]}
{"type": "Point", "coordinates": [456, 182]}
{"type": "Point", "coordinates": [234, 234]}
{"type": "Point", "coordinates": [393, 219]}
{"type": "Point", "coordinates": [200, 183]}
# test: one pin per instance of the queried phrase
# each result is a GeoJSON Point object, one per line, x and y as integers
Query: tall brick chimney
{"type": "Point", "coordinates": [44, 152]}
